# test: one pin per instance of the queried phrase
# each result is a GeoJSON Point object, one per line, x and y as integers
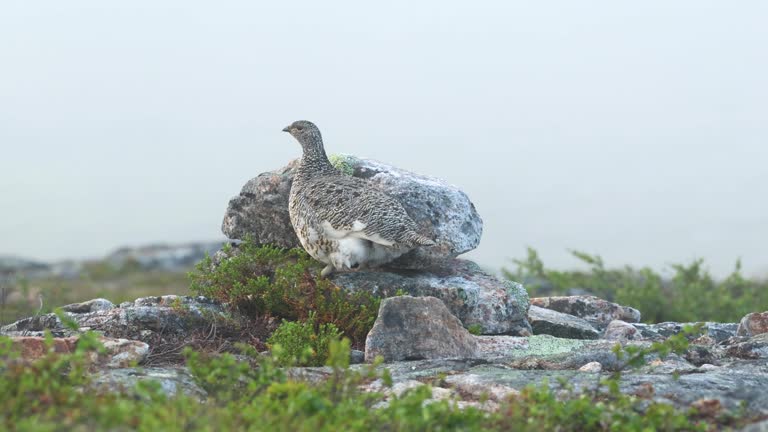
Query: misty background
{"type": "Point", "coordinates": [638, 131]}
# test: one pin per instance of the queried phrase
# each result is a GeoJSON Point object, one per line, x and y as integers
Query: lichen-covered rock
{"type": "Point", "coordinates": [442, 211]}
{"type": "Point", "coordinates": [619, 330]}
{"type": "Point", "coordinates": [597, 311]}
{"type": "Point", "coordinates": [718, 332]}
{"type": "Point", "coordinates": [474, 296]}
{"type": "Point", "coordinates": [753, 324]}
{"type": "Point", "coordinates": [546, 321]}
{"type": "Point", "coordinates": [169, 314]}
{"type": "Point", "coordinates": [261, 210]}
{"type": "Point", "coordinates": [415, 328]}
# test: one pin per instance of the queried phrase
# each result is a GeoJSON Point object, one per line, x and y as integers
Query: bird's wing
{"type": "Point", "coordinates": [350, 207]}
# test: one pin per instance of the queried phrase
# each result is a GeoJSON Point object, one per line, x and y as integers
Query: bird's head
{"type": "Point", "coordinates": [305, 132]}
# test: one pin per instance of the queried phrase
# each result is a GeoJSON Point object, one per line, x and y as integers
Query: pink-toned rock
{"type": "Point", "coordinates": [619, 330]}
{"type": "Point", "coordinates": [593, 309]}
{"type": "Point", "coordinates": [119, 352]}
{"type": "Point", "coordinates": [753, 324]}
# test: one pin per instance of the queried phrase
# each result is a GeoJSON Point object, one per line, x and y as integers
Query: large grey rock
{"type": "Point", "coordinates": [415, 328]}
{"type": "Point", "coordinates": [475, 297]}
{"type": "Point", "coordinates": [753, 324]}
{"type": "Point", "coordinates": [593, 309]}
{"type": "Point", "coordinates": [545, 321]}
{"type": "Point", "coordinates": [261, 210]}
{"type": "Point", "coordinates": [442, 211]}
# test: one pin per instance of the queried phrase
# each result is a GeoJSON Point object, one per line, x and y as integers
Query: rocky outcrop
{"type": "Point", "coordinates": [417, 328]}
{"type": "Point", "coordinates": [441, 210]}
{"type": "Point", "coordinates": [597, 311]}
{"type": "Point", "coordinates": [545, 321]}
{"type": "Point", "coordinates": [139, 319]}
{"type": "Point", "coordinates": [477, 298]}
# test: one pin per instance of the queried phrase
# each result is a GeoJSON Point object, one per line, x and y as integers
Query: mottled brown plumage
{"type": "Point", "coordinates": [341, 220]}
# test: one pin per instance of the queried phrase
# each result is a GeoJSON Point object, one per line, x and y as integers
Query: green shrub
{"type": "Point", "coordinates": [47, 395]}
{"type": "Point", "coordinates": [691, 294]}
{"type": "Point", "coordinates": [303, 343]}
{"type": "Point", "coordinates": [268, 281]}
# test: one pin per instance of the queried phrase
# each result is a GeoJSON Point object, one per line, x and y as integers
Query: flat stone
{"type": "Point", "coordinates": [172, 381]}
{"type": "Point", "coordinates": [597, 311]}
{"type": "Point", "coordinates": [718, 332]}
{"type": "Point", "coordinates": [94, 305]}
{"type": "Point", "coordinates": [546, 321]}
{"type": "Point", "coordinates": [414, 328]}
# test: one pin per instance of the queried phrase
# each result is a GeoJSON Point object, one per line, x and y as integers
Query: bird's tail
{"type": "Point", "coordinates": [420, 240]}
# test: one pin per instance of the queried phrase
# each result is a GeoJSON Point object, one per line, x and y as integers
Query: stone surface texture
{"type": "Point", "coordinates": [414, 328]}
{"type": "Point", "coordinates": [593, 309]}
{"type": "Point", "coordinates": [477, 298]}
{"type": "Point", "coordinates": [619, 330]}
{"type": "Point", "coordinates": [753, 324]}
{"type": "Point", "coordinates": [546, 321]}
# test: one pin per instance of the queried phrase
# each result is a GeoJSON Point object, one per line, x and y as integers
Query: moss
{"type": "Point", "coordinates": [343, 163]}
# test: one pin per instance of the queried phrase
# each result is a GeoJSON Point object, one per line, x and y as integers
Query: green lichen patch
{"type": "Point", "coordinates": [343, 163]}
{"type": "Point", "coordinates": [546, 345]}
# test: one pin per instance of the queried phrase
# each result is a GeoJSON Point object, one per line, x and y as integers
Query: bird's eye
{"type": "Point", "coordinates": [299, 128]}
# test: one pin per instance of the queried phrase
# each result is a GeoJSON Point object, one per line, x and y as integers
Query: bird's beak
{"type": "Point", "coordinates": [287, 129]}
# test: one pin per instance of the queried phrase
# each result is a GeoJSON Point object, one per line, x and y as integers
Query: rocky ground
{"type": "Point", "coordinates": [724, 368]}
{"type": "Point", "coordinates": [432, 299]}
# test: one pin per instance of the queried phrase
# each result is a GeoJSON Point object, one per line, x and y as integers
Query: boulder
{"type": "Point", "coordinates": [415, 328]}
{"type": "Point", "coordinates": [545, 321]}
{"type": "Point", "coordinates": [261, 210]}
{"type": "Point", "coordinates": [619, 330]}
{"type": "Point", "coordinates": [753, 324]}
{"type": "Point", "coordinates": [477, 298]}
{"type": "Point", "coordinates": [442, 211]}
{"type": "Point", "coordinates": [593, 309]}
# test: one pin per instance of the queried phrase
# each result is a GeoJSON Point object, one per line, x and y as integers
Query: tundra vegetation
{"type": "Point", "coordinates": [320, 324]}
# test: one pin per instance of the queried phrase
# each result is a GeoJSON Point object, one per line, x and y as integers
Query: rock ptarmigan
{"type": "Point", "coordinates": [344, 221]}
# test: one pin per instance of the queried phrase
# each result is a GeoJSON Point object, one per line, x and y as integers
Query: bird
{"type": "Point", "coordinates": [342, 221]}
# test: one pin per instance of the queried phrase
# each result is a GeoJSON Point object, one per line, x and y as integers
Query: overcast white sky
{"type": "Point", "coordinates": [637, 130]}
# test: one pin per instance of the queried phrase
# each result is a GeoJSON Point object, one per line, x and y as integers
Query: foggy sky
{"type": "Point", "coordinates": [637, 130]}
